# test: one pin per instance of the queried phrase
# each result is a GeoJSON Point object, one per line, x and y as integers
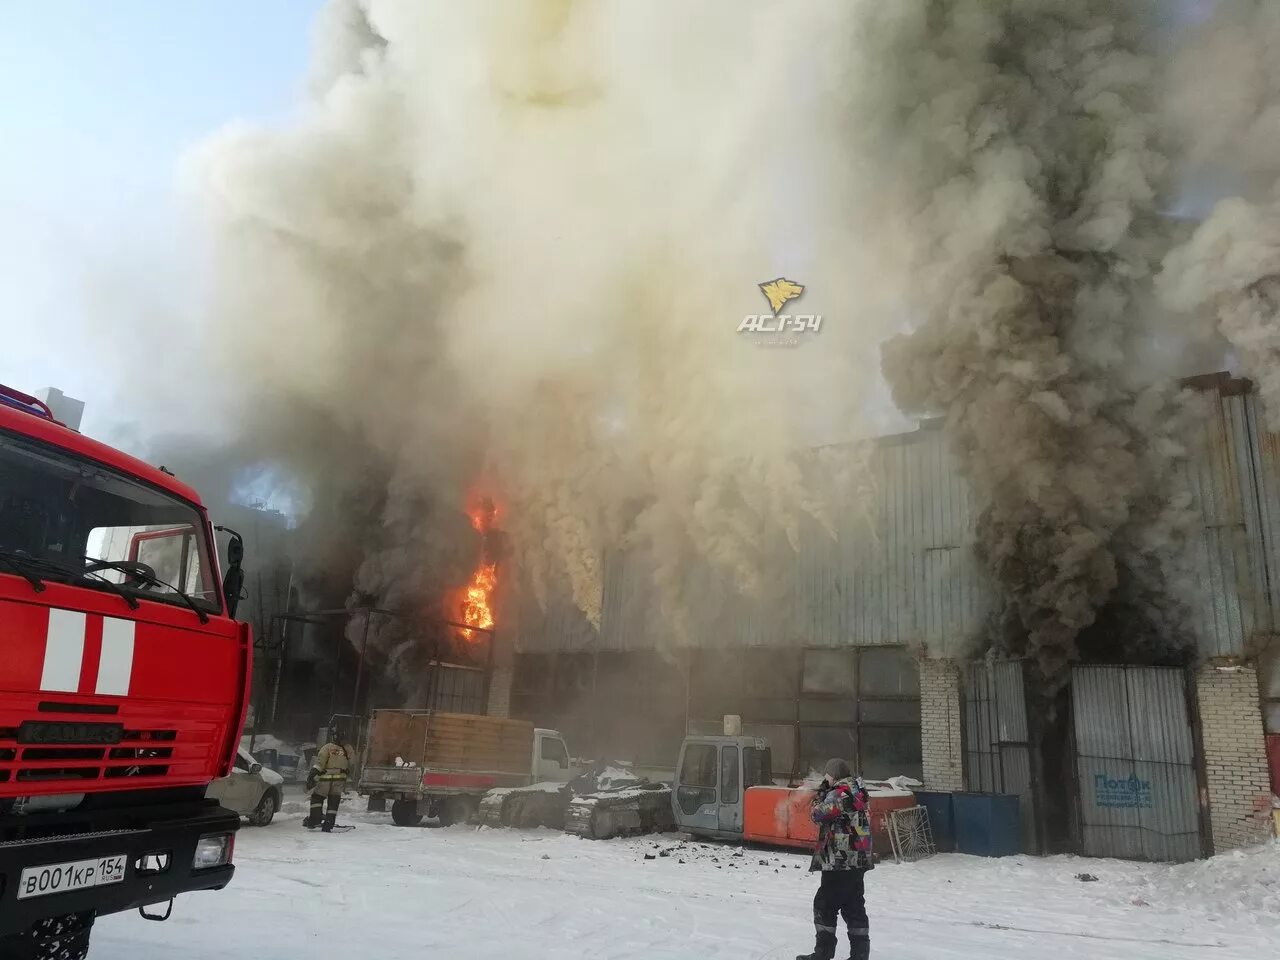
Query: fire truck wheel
{"type": "Point", "coordinates": [404, 813]}
{"type": "Point", "coordinates": [58, 938]}
{"type": "Point", "coordinates": [266, 809]}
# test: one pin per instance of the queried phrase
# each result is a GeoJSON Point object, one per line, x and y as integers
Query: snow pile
{"type": "Point", "coordinates": [900, 786]}
{"type": "Point", "coordinates": [1239, 885]}
{"type": "Point", "coordinates": [614, 777]}
{"type": "Point", "coordinates": [893, 787]}
{"type": "Point", "coordinates": [547, 786]}
{"type": "Point", "coordinates": [613, 794]}
{"type": "Point", "coordinates": [606, 775]}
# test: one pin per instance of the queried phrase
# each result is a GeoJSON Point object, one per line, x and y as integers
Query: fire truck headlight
{"type": "Point", "coordinates": [213, 850]}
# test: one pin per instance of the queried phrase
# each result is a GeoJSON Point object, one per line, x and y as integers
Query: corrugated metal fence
{"type": "Point", "coordinates": [1135, 759]}
{"type": "Point", "coordinates": [998, 756]}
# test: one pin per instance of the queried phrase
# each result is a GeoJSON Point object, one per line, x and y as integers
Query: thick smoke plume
{"type": "Point", "coordinates": [505, 249]}
{"type": "Point", "coordinates": [1019, 142]}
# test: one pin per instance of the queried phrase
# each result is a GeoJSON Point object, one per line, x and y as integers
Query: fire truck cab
{"type": "Point", "coordinates": [123, 689]}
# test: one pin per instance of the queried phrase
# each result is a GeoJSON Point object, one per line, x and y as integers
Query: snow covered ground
{"type": "Point", "coordinates": [391, 892]}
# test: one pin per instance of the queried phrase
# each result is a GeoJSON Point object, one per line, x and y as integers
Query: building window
{"type": "Point", "coordinates": [890, 752]}
{"type": "Point", "coordinates": [830, 672]}
{"type": "Point", "coordinates": [617, 706]}
{"type": "Point", "coordinates": [889, 714]}
{"type": "Point", "coordinates": [820, 744]}
{"type": "Point", "coordinates": [458, 690]}
{"type": "Point", "coordinates": [863, 706]}
{"type": "Point", "coordinates": [531, 686]}
{"type": "Point", "coordinates": [859, 704]}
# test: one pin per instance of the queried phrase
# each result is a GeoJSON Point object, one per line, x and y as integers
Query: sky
{"type": "Point", "coordinates": [98, 101]}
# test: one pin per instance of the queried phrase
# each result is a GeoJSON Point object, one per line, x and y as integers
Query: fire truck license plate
{"type": "Point", "coordinates": [76, 875]}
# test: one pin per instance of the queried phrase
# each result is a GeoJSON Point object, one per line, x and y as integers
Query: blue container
{"type": "Point", "coordinates": [986, 824]}
{"type": "Point", "coordinates": [942, 819]}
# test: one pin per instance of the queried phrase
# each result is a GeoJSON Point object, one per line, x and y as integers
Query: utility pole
{"type": "Point", "coordinates": [364, 642]}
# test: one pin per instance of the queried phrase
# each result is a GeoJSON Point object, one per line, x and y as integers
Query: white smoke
{"type": "Point", "coordinates": [508, 247]}
{"type": "Point", "coordinates": [1224, 103]}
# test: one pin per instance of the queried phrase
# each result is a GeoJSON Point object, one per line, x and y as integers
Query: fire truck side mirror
{"type": "Point", "coordinates": [233, 579]}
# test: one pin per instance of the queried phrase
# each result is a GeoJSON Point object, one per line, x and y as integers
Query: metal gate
{"type": "Point", "coordinates": [1135, 760]}
{"type": "Point", "coordinates": [998, 757]}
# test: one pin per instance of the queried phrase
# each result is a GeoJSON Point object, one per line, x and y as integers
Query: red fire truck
{"type": "Point", "coordinates": [124, 681]}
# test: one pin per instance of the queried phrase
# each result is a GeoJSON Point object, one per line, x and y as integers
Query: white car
{"type": "Point", "coordinates": [251, 790]}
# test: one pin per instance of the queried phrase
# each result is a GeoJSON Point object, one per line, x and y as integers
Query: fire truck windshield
{"type": "Point", "coordinates": [62, 516]}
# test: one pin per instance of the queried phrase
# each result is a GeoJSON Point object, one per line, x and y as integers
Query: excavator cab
{"type": "Point", "coordinates": [712, 777]}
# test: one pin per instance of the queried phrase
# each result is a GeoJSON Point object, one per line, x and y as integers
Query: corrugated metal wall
{"type": "Point", "coordinates": [1136, 764]}
{"type": "Point", "coordinates": [901, 571]}
{"type": "Point", "coordinates": [559, 626]}
{"type": "Point", "coordinates": [1235, 478]}
{"type": "Point", "coordinates": [997, 744]}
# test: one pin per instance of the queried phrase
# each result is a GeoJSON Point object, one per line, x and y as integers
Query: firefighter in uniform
{"type": "Point", "coordinates": [325, 782]}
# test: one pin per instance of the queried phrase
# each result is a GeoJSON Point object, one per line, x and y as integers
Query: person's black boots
{"type": "Point", "coordinates": [823, 949]}
{"type": "Point", "coordinates": [313, 819]}
{"type": "Point", "coordinates": [329, 820]}
{"type": "Point", "coordinates": [860, 948]}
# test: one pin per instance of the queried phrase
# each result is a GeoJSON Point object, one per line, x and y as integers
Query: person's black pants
{"type": "Point", "coordinates": [840, 894]}
{"type": "Point", "coordinates": [320, 802]}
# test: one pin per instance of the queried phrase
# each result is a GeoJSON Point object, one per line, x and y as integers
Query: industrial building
{"type": "Point", "coordinates": [867, 653]}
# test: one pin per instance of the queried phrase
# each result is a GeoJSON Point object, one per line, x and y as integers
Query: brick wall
{"type": "Point", "coordinates": [1235, 756]}
{"type": "Point", "coordinates": [940, 725]}
{"type": "Point", "coordinates": [500, 681]}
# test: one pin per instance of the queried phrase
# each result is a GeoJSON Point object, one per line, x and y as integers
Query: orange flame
{"type": "Point", "coordinates": [477, 607]}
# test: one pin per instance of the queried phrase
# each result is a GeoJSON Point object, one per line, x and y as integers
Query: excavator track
{"type": "Point", "coordinates": [636, 810]}
{"type": "Point", "coordinates": [605, 801]}
{"type": "Point", "coordinates": [525, 807]}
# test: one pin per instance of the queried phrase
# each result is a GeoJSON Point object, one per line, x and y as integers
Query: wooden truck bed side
{"type": "Point", "coordinates": [456, 742]}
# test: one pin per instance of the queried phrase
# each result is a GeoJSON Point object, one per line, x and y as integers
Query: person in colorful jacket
{"type": "Point", "coordinates": [325, 782]}
{"type": "Point", "coordinates": [842, 809]}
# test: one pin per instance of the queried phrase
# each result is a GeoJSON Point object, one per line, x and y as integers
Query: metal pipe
{"type": "Point", "coordinates": [307, 617]}
{"type": "Point", "coordinates": [275, 691]}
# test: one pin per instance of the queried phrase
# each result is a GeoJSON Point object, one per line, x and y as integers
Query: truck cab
{"type": "Point", "coordinates": [551, 762]}
{"type": "Point", "coordinates": [712, 776]}
{"type": "Point", "coordinates": [124, 686]}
